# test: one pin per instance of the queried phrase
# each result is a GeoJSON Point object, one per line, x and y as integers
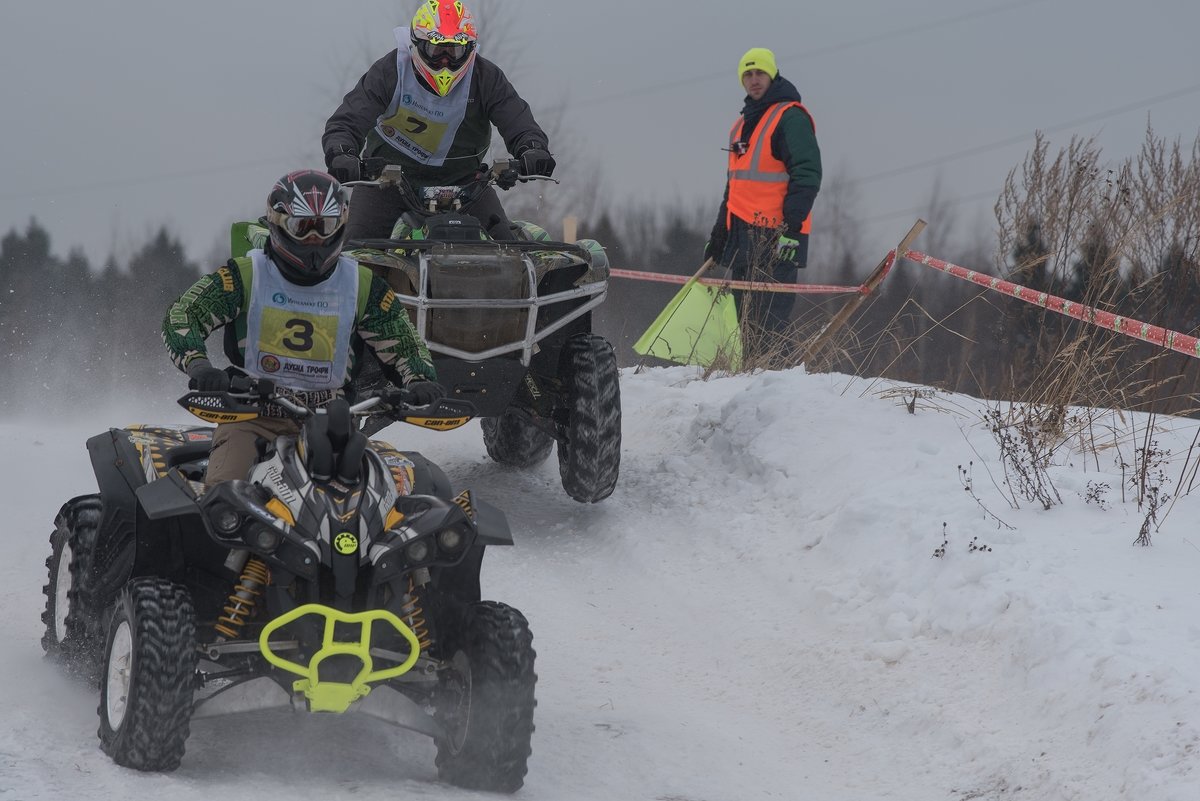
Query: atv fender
{"type": "Point", "coordinates": [166, 497]}
{"type": "Point", "coordinates": [491, 524]}
{"type": "Point", "coordinates": [118, 472]}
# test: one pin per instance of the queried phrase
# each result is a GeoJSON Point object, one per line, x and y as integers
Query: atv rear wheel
{"type": "Point", "coordinates": [514, 439]}
{"type": "Point", "coordinates": [589, 447]}
{"type": "Point", "coordinates": [72, 636]}
{"type": "Point", "coordinates": [487, 701]}
{"type": "Point", "coordinates": [147, 683]}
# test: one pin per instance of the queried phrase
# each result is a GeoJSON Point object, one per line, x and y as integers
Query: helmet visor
{"type": "Point", "coordinates": [301, 228]}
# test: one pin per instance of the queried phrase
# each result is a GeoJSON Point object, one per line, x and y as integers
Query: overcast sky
{"type": "Point", "coordinates": [120, 117]}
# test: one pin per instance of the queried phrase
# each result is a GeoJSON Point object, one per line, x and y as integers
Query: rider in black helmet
{"type": "Point", "coordinates": [297, 312]}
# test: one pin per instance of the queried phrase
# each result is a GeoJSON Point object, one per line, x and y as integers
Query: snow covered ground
{"type": "Point", "coordinates": [756, 613]}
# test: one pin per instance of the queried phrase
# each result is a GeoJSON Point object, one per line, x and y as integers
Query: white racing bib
{"type": "Point", "coordinates": [418, 122]}
{"type": "Point", "coordinates": [299, 336]}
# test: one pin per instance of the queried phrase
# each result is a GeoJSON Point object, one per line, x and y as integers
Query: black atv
{"type": "Point", "coordinates": [343, 575]}
{"type": "Point", "coordinates": [509, 324]}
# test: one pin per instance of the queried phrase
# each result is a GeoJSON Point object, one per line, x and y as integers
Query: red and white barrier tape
{"type": "Point", "coordinates": [1156, 335]}
{"type": "Point", "coordinates": [760, 286]}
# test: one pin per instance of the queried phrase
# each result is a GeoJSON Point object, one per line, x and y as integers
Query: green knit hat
{"type": "Point", "coordinates": [758, 58]}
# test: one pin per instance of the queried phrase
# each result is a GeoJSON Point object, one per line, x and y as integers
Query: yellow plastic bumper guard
{"type": "Point", "coordinates": [333, 696]}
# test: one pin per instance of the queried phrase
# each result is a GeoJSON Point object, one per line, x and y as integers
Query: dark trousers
{"type": "Point", "coordinates": [374, 211]}
{"type": "Point", "coordinates": [750, 256]}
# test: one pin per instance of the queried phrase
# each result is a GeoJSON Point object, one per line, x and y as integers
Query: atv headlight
{"type": "Point", "coordinates": [452, 540]}
{"type": "Point", "coordinates": [417, 552]}
{"type": "Point", "coordinates": [226, 520]}
{"type": "Point", "coordinates": [264, 538]}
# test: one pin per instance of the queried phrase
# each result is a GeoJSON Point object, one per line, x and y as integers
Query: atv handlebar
{"type": "Point", "coordinates": [246, 397]}
{"type": "Point", "coordinates": [440, 198]}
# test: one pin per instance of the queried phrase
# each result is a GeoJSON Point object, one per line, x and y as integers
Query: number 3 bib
{"type": "Point", "coordinates": [299, 336]}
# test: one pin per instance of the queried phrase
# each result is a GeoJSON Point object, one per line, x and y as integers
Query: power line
{"type": "Point", "coordinates": [1013, 140]}
{"type": "Point", "coordinates": [820, 51]}
{"type": "Point", "coordinates": [992, 193]}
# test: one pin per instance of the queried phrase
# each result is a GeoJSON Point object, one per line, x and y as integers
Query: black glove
{"type": "Point", "coordinates": [424, 393]}
{"type": "Point", "coordinates": [507, 179]}
{"type": "Point", "coordinates": [536, 160]}
{"type": "Point", "coordinates": [207, 378]}
{"type": "Point", "coordinates": [713, 249]}
{"type": "Point", "coordinates": [345, 167]}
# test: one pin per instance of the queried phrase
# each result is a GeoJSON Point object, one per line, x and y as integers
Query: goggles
{"type": "Point", "coordinates": [300, 228]}
{"type": "Point", "coordinates": [446, 50]}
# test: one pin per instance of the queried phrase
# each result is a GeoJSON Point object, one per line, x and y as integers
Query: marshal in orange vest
{"type": "Point", "coordinates": [758, 182]}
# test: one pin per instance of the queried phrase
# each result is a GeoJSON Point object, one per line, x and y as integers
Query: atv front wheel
{"type": "Point", "coordinates": [513, 439]}
{"type": "Point", "coordinates": [148, 676]}
{"type": "Point", "coordinates": [486, 703]}
{"type": "Point", "coordinates": [72, 636]}
{"type": "Point", "coordinates": [589, 447]}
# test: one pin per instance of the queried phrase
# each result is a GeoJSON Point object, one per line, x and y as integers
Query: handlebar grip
{"type": "Point", "coordinates": [372, 167]}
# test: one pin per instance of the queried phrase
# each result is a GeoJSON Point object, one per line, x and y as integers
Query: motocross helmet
{"type": "Point", "coordinates": [306, 214]}
{"type": "Point", "coordinates": [443, 43]}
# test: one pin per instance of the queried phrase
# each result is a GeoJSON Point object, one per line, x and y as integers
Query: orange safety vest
{"type": "Point", "coordinates": [758, 182]}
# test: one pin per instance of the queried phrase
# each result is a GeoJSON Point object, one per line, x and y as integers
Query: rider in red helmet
{"type": "Point", "coordinates": [429, 106]}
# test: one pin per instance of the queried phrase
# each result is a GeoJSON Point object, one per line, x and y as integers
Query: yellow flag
{"type": "Point", "coordinates": [699, 326]}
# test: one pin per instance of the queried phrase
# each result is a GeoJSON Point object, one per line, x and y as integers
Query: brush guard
{"type": "Point", "coordinates": [334, 696]}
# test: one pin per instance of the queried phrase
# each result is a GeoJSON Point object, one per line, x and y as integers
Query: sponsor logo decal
{"type": "Point", "coordinates": [345, 543]}
{"type": "Point", "coordinates": [269, 363]}
{"type": "Point", "coordinates": [282, 490]}
{"type": "Point", "coordinates": [281, 299]}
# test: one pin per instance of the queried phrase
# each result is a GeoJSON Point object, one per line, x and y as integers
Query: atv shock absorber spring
{"type": "Point", "coordinates": [255, 577]}
{"type": "Point", "coordinates": [414, 615]}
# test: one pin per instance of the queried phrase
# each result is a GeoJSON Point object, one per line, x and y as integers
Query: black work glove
{"type": "Point", "coordinates": [424, 393]}
{"type": "Point", "coordinates": [507, 179]}
{"type": "Point", "coordinates": [713, 249]}
{"type": "Point", "coordinates": [345, 167]}
{"type": "Point", "coordinates": [536, 161]}
{"type": "Point", "coordinates": [206, 378]}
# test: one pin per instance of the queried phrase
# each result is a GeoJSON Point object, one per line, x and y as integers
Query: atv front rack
{"type": "Point", "coordinates": [430, 244]}
{"type": "Point", "coordinates": [519, 336]}
{"type": "Point", "coordinates": [333, 696]}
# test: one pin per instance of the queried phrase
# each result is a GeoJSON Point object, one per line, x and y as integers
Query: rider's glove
{"type": "Point", "coordinates": [424, 393]}
{"type": "Point", "coordinates": [507, 179]}
{"type": "Point", "coordinates": [788, 249]}
{"type": "Point", "coordinates": [207, 378]}
{"type": "Point", "coordinates": [345, 167]}
{"type": "Point", "coordinates": [536, 160]}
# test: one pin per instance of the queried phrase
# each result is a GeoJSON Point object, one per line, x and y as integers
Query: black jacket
{"type": "Point", "coordinates": [492, 100]}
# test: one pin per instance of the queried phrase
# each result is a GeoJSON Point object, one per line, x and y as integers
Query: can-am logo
{"type": "Point", "coordinates": [281, 298]}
